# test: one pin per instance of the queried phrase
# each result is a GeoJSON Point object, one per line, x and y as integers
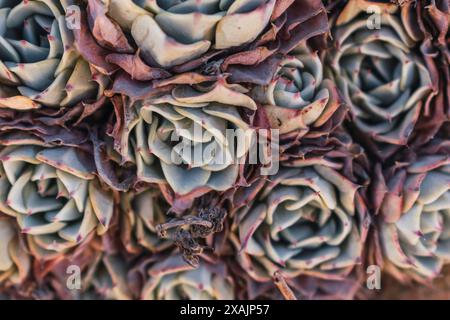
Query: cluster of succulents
{"type": "Point", "coordinates": [342, 161]}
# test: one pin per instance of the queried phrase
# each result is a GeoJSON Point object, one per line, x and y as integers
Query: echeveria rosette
{"type": "Point", "coordinates": [39, 65]}
{"type": "Point", "coordinates": [236, 36]}
{"type": "Point", "coordinates": [54, 196]}
{"type": "Point", "coordinates": [172, 279]}
{"type": "Point", "coordinates": [162, 134]}
{"type": "Point", "coordinates": [385, 75]}
{"type": "Point", "coordinates": [429, 24]}
{"type": "Point", "coordinates": [298, 99]}
{"type": "Point", "coordinates": [309, 220]}
{"type": "Point", "coordinates": [181, 31]}
{"type": "Point", "coordinates": [141, 212]}
{"type": "Point", "coordinates": [414, 208]}
{"type": "Point", "coordinates": [15, 262]}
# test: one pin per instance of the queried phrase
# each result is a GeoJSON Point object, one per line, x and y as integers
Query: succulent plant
{"type": "Point", "coordinates": [108, 272]}
{"type": "Point", "coordinates": [298, 97]}
{"type": "Point", "coordinates": [173, 279]}
{"type": "Point", "coordinates": [140, 142]}
{"type": "Point", "coordinates": [310, 219]}
{"type": "Point", "coordinates": [184, 30]}
{"type": "Point", "coordinates": [39, 65]}
{"type": "Point", "coordinates": [386, 77]}
{"type": "Point", "coordinates": [188, 34]}
{"type": "Point", "coordinates": [54, 196]}
{"type": "Point", "coordinates": [180, 139]}
{"type": "Point", "coordinates": [414, 210]}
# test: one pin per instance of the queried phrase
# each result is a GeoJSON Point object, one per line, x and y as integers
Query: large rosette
{"type": "Point", "coordinates": [386, 74]}
{"type": "Point", "coordinates": [414, 207]}
{"type": "Point", "coordinates": [54, 195]}
{"type": "Point", "coordinates": [310, 219]}
{"type": "Point", "coordinates": [39, 65]}
{"type": "Point", "coordinates": [186, 139]}
{"type": "Point", "coordinates": [154, 39]}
